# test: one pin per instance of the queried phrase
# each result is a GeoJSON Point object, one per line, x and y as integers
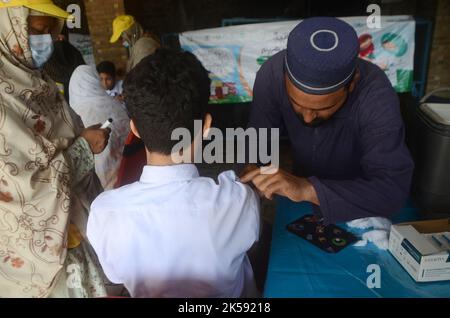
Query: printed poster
{"type": "Point", "coordinates": [234, 54]}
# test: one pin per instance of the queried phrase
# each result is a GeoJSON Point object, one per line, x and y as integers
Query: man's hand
{"type": "Point", "coordinates": [97, 138]}
{"type": "Point", "coordinates": [282, 183]}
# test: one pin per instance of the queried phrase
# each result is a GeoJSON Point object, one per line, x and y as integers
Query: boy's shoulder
{"type": "Point", "coordinates": [226, 185]}
{"type": "Point", "coordinates": [114, 197]}
{"type": "Point", "coordinates": [226, 188]}
{"type": "Point", "coordinates": [226, 178]}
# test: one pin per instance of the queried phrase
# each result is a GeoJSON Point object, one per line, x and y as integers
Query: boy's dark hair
{"type": "Point", "coordinates": [106, 67]}
{"type": "Point", "coordinates": [166, 90]}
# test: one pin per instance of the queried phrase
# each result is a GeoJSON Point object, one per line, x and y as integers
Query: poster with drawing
{"type": "Point", "coordinates": [234, 54]}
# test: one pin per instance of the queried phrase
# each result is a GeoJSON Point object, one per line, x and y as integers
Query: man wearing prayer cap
{"type": "Point", "coordinates": [343, 120]}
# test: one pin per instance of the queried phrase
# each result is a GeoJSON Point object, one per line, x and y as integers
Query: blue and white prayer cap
{"type": "Point", "coordinates": [321, 55]}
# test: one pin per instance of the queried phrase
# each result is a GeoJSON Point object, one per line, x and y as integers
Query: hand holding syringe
{"type": "Point", "coordinates": [107, 123]}
{"type": "Point", "coordinates": [97, 136]}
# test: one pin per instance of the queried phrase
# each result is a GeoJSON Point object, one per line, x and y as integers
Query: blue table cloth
{"type": "Point", "coordinates": [300, 269]}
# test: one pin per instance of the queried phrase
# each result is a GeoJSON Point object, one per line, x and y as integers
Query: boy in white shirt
{"type": "Point", "coordinates": [108, 78]}
{"type": "Point", "coordinates": [174, 233]}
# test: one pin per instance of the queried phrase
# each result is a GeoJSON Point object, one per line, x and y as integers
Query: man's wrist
{"type": "Point", "coordinates": [307, 192]}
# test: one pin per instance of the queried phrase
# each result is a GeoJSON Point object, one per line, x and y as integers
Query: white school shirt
{"type": "Point", "coordinates": [175, 234]}
{"type": "Point", "coordinates": [116, 90]}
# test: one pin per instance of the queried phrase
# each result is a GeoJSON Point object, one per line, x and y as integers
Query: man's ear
{"type": "Point", "coordinates": [134, 129]}
{"type": "Point", "coordinates": [354, 81]}
{"type": "Point", "coordinates": [207, 125]}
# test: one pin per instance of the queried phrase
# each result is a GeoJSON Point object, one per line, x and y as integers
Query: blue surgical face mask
{"type": "Point", "coordinates": [41, 48]}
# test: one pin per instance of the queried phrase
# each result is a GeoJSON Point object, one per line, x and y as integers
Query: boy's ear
{"type": "Point", "coordinates": [207, 125]}
{"type": "Point", "coordinates": [134, 129]}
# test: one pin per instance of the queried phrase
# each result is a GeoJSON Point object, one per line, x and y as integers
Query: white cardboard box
{"type": "Point", "coordinates": [422, 259]}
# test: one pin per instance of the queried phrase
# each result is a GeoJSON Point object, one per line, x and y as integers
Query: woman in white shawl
{"type": "Point", "coordinates": [47, 177]}
{"type": "Point", "coordinates": [93, 105]}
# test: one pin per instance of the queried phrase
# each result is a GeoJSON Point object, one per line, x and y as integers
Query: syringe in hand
{"type": "Point", "coordinates": [107, 123]}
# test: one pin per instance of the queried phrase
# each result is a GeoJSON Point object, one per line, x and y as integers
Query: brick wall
{"type": "Point", "coordinates": [439, 67]}
{"type": "Point", "coordinates": [100, 14]}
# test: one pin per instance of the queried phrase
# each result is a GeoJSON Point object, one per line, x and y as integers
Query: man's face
{"type": "Point", "coordinates": [313, 110]}
{"type": "Point", "coordinates": [38, 25]}
{"type": "Point", "coordinates": [108, 81]}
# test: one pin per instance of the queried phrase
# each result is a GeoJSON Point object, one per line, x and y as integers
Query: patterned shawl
{"type": "Point", "coordinates": [36, 126]}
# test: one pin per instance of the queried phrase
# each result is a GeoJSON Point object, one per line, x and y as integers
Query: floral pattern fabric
{"type": "Point", "coordinates": [39, 192]}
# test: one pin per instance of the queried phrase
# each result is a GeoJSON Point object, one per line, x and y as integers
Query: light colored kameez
{"type": "Point", "coordinates": [90, 101]}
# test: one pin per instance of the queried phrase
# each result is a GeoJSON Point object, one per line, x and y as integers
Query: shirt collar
{"type": "Point", "coordinates": [168, 174]}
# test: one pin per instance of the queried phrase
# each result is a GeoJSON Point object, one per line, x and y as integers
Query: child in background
{"type": "Point", "coordinates": [108, 77]}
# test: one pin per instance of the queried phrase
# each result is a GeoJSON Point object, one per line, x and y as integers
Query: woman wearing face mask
{"type": "Point", "coordinates": [47, 178]}
{"type": "Point", "coordinates": [139, 43]}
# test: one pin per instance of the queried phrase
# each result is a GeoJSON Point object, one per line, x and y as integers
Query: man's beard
{"type": "Point", "coordinates": [315, 123]}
